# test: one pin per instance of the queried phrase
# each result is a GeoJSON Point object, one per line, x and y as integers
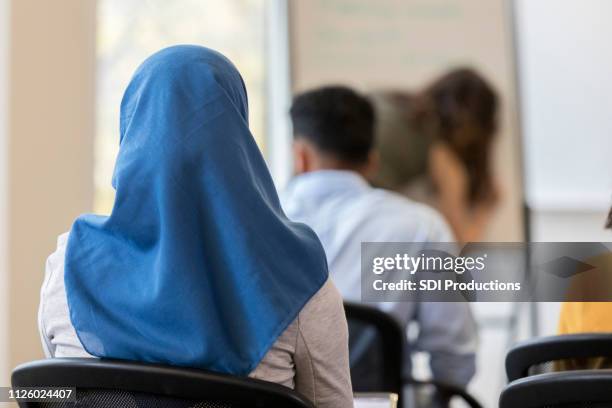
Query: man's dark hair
{"type": "Point", "coordinates": [337, 121]}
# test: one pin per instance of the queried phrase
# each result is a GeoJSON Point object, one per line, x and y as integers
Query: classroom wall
{"type": "Point", "coordinates": [564, 65]}
{"type": "Point", "coordinates": [564, 76]}
{"type": "Point", "coordinates": [4, 40]}
{"type": "Point", "coordinates": [51, 127]}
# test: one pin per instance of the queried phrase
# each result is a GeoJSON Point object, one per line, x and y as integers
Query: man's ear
{"type": "Point", "coordinates": [300, 157]}
{"type": "Point", "coordinates": [371, 167]}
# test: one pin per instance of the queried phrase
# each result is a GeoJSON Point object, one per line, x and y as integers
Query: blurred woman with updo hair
{"type": "Point", "coordinates": [435, 146]}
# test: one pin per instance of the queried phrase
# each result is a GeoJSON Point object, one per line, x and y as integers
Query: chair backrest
{"type": "Point", "coordinates": [564, 389]}
{"type": "Point", "coordinates": [375, 349]}
{"type": "Point", "coordinates": [546, 354]}
{"type": "Point", "coordinates": [377, 345]}
{"type": "Point", "coordinates": [122, 384]}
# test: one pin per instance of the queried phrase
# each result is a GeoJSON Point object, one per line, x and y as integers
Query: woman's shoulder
{"type": "Point", "coordinates": [54, 269]}
{"type": "Point", "coordinates": [52, 290]}
{"type": "Point", "coordinates": [55, 261]}
{"type": "Point", "coordinates": [324, 307]}
{"type": "Point", "coordinates": [62, 240]}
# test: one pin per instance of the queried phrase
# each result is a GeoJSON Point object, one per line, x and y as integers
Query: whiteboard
{"type": "Point", "coordinates": [383, 44]}
{"type": "Point", "coordinates": [565, 71]}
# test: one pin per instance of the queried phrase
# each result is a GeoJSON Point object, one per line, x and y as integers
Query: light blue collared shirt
{"type": "Point", "coordinates": [344, 211]}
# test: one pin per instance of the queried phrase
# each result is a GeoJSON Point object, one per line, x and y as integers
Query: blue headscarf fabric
{"type": "Point", "coordinates": [197, 264]}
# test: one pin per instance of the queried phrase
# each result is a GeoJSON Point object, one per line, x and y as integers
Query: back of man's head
{"type": "Point", "coordinates": [337, 122]}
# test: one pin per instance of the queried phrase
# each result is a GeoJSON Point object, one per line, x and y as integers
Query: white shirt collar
{"type": "Point", "coordinates": [324, 182]}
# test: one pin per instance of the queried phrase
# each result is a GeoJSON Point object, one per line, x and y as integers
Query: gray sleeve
{"type": "Point", "coordinates": [448, 332]}
{"type": "Point", "coordinates": [321, 356]}
{"type": "Point", "coordinates": [277, 365]}
{"type": "Point", "coordinates": [58, 336]}
{"type": "Point", "coordinates": [47, 346]}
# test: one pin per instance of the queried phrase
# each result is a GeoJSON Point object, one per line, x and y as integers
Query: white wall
{"type": "Point", "coordinates": [4, 327]}
{"type": "Point", "coordinates": [565, 66]}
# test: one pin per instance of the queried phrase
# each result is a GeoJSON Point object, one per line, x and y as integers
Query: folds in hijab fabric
{"type": "Point", "coordinates": [197, 265]}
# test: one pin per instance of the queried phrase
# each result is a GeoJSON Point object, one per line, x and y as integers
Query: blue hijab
{"type": "Point", "coordinates": [197, 265]}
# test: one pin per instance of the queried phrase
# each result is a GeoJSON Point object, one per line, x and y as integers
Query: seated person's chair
{"type": "Point", "coordinates": [377, 345]}
{"type": "Point", "coordinates": [566, 389]}
{"type": "Point", "coordinates": [559, 353]}
{"type": "Point", "coordinates": [121, 384]}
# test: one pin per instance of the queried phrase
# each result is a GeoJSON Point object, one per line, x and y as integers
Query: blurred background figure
{"type": "Point", "coordinates": [334, 135]}
{"type": "Point", "coordinates": [435, 146]}
{"type": "Point", "coordinates": [589, 317]}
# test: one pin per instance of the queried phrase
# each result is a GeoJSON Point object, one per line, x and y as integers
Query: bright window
{"type": "Point", "coordinates": [131, 30]}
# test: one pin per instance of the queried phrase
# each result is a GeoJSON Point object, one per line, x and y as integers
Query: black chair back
{"type": "Point", "coordinates": [548, 354]}
{"type": "Point", "coordinates": [377, 345]}
{"type": "Point", "coordinates": [122, 384]}
{"type": "Point", "coordinates": [565, 389]}
{"type": "Point", "coordinates": [375, 349]}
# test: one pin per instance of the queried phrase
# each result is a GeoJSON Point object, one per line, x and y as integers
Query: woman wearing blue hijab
{"type": "Point", "coordinates": [197, 264]}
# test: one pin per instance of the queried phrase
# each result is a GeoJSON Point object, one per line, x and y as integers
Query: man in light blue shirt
{"type": "Point", "coordinates": [333, 154]}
